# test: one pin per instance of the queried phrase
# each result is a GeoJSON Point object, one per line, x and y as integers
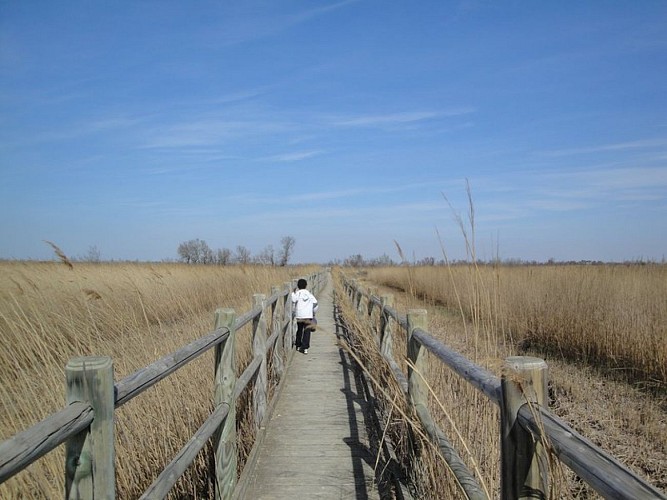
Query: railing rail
{"type": "Point", "coordinates": [606, 475]}
{"type": "Point", "coordinates": [93, 397]}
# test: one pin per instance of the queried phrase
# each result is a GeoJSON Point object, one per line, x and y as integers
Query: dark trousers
{"type": "Point", "coordinates": [303, 332]}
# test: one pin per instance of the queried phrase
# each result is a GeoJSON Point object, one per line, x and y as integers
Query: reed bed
{"type": "Point", "coordinates": [135, 313]}
{"type": "Point", "coordinates": [608, 316]}
{"type": "Point", "coordinates": [489, 313]}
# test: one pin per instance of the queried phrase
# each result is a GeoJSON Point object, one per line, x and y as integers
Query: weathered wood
{"type": "Point", "coordinates": [261, 388]}
{"type": "Point", "coordinates": [276, 344]}
{"type": "Point", "coordinates": [418, 367]}
{"type": "Point", "coordinates": [477, 376]}
{"type": "Point", "coordinates": [460, 470]}
{"type": "Point", "coordinates": [386, 328]}
{"type": "Point", "coordinates": [89, 455]}
{"type": "Point", "coordinates": [136, 383]}
{"type": "Point", "coordinates": [524, 462]}
{"type": "Point", "coordinates": [287, 318]}
{"type": "Point", "coordinates": [225, 380]}
{"type": "Point", "coordinates": [604, 473]}
{"type": "Point", "coordinates": [248, 374]}
{"type": "Point", "coordinates": [19, 451]}
{"type": "Point", "coordinates": [170, 475]}
{"type": "Point", "coordinates": [601, 471]}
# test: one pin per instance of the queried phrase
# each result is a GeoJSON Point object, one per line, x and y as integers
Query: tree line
{"type": "Point", "coordinates": [199, 252]}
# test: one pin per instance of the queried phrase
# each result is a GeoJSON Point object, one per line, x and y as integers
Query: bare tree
{"type": "Point", "coordinates": [287, 243]}
{"type": "Point", "coordinates": [223, 256]}
{"type": "Point", "coordinates": [195, 252]}
{"type": "Point", "coordinates": [92, 255]}
{"type": "Point", "coordinates": [267, 256]}
{"type": "Point", "coordinates": [242, 255]}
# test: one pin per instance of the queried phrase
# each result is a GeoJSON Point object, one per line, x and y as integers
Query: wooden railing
{"type": "Point", "coordinates": [85, 425]}
{"type": "Point", "coordinates": [525, 420]}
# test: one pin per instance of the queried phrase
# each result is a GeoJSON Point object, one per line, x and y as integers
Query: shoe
{"type": "Point", "coordinates": [305, 351]}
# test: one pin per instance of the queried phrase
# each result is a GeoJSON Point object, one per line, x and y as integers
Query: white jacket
{"type": "Point", "coordinates": [305, 304]}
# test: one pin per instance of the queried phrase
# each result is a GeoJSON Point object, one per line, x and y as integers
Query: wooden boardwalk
{"type": "Point", "coordinates": [315, 443]}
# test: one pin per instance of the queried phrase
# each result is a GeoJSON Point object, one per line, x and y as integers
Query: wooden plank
{"type": "Point", "coordinates": [315, 443]}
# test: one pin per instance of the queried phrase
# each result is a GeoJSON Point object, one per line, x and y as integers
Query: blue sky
{"type": "Point", "coordinates": [134, 126]}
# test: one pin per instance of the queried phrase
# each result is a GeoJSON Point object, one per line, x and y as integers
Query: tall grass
{"type": "Point", "coordinates": [50, 312]}
{"type": "Point", "coordinates": [589, 321]}
{"type": "Point", "coordinates": [609, 316]}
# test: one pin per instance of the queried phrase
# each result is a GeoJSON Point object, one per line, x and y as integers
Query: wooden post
{"type": "Point", "coordinates": [371, 292]}
{"type": "Point", "coordinates": [417, 389]}
{"type": "Point", "coordinates": [524, 462]}
{"type": "Point", "coordinates": [277, 363]}
{"type": "Point", "coordinates": [89, 456]}
{"type": "Point", "coordinates": [386, 341]}
{"type": "Point", "coordinates": [359, 297]}
{"type": "Point", "coordinates": [259, 349]}
{"type": "Point", "coordinates": [225, 381]}
{"type": "Point", "coordinates": [288, 340]}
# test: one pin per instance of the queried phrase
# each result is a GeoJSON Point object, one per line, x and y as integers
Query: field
{"type": "Point", "coordinates": [602, 330]}
{"type": "Point", "coordinates": [50, 312]}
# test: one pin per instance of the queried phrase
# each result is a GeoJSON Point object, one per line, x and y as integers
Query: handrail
{"type": "Point", "coordinates": [19, 451]}
{"type": "Point", "coordinates": [79, 417]}
{"type": "Point", "coordinates": [136, 383]}
{"type": "Point", "coordinates": [601, 471]}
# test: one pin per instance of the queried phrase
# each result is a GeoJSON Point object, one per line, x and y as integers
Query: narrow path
{"type": "Point", "coordinates": [316, 444]}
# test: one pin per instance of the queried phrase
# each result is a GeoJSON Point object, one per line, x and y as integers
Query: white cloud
{"type": "Point", "coordinates": [618, 146]}
{"type": "Point", "coordinates": [295, 156]}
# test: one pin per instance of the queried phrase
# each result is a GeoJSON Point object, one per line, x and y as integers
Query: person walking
{"type": "Point", "coordinates": [305, 305]}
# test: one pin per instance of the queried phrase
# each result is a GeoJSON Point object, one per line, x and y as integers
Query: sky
{"type": "Point", "coordinates": [353, 125]}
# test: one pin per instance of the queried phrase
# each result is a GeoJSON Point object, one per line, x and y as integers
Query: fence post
{"type": "Point", "coordinates": [288, 335]}
{"type": "Point", "coordinates": [417, 389]}
{"type": "Point", "coordinates": [524, 462]}
{"type": "Point", "coordinates": [277, 362]}
{"type": "Point", "coordinates": [371, 292]}
{"type": "Point", "coordinates": [359, 299]}
{"type": "Point", "coordinates": [89, 456]}
{"type": "Point", "coordinates": [225, 382]}
{"type": "Point", "coordinates": [259, 349]}
{"type": "Point", "coordinates": [386, 341]}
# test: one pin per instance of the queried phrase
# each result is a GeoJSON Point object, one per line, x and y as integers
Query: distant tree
{"type": "Point", "coordinates": [223, 256]}
{"type": "Point", "coordinates": [383, 261]}
{"type": "Point", "coordinates": [92, 255]}
{"type": "Point", "coordinates": [267, 256]}
{"type": "Point", "coordinates": [242, 255]}
{"type": "Point", "coordinates": [195, 252]}
{"type": "Point", "coordinates": [355, 261]}
{"type": "Point", "coordinates": [287, 246]}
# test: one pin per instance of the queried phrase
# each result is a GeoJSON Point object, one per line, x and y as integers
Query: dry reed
{"type": "Point", "coordinates": [50, 312]}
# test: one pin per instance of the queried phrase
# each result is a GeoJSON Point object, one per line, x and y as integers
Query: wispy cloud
{"type": "Point", "coordinates": [388, 119]}
{"type": "Point", "coordinates": [247, 28]}
{"type": "Point", "coordinates": [206, 132]}
{"type": "Point", "coordinates": [618, 146]}
{"type": "Point", "coordinates": [295, 156]}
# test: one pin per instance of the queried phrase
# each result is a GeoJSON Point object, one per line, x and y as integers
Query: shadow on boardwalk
{"type": "Point", "coordinates": [320, 439]}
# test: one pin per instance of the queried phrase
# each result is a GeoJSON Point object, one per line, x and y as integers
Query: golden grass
{"type": "Point", "coordinates": [135, 313]}
{"type": "Point", "coordinates": [610, 316]}
{"type": "Point", "coordinates": [581, 318]}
